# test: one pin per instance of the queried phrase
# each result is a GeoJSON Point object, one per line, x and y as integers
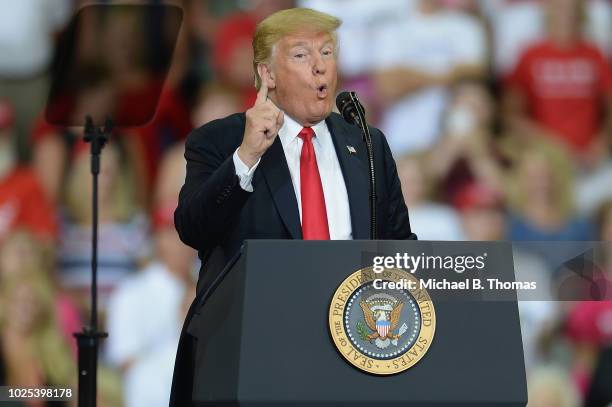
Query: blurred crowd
{"type": "Point", "coordinates": [498, 113]}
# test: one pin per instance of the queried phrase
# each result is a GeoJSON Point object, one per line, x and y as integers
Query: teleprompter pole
{"type": "Point", "coordinates": [89, 338]}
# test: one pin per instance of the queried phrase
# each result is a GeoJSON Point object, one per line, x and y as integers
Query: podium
{"type": "Point", "coordinates": [263, 336]}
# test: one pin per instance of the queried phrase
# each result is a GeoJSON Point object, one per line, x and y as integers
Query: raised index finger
{"type": "Point", "coordinates": [262, 93]}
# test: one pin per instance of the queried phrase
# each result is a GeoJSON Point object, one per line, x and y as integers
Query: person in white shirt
{"type": "Point", "coordinates": [27, 32]}
{"type": "Point", "coordinates": [416, 61]}
{"type": "Point", "coordinates": [145, 314]}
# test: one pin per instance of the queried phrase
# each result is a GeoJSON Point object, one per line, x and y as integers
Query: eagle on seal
{"type": "Point", "coordinates": [379, 322]}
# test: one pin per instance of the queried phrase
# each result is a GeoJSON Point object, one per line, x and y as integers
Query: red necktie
{"type": "Point", "coordinates": [314, 214]}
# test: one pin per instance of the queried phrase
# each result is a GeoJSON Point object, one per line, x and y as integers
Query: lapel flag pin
{"type": "Point", "coordinates": [351, 150]}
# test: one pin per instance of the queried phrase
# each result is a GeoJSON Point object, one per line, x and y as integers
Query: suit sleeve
{"type": "Point", "coordinates": [398, 221]}
{"type": "Point", "coordinates": [211, 197]}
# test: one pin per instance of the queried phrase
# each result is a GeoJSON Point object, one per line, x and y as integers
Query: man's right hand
{"type": "Point", "coordinates": [263, 121]}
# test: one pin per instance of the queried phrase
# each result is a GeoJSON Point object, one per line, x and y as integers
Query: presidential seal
{"type": "Point", "coordinates": [381, 330]}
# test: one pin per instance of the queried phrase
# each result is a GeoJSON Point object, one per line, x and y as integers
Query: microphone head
{"type": "Point", "coordinates": [342, 99]}
{"type": "Point", "coordinates": [349, 106]}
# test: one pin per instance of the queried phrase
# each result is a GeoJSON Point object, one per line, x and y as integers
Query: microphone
{"type": "Point", "coordinates": [353, 112]}
{"type": "Point", "coordinates": [350, 108]}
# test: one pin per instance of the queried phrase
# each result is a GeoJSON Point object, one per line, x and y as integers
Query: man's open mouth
{"type": "Point", "coordinates": [322, 91]}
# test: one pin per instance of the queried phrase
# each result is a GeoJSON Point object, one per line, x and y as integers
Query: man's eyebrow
{"type": "Point", "coordinates": [307, 43]}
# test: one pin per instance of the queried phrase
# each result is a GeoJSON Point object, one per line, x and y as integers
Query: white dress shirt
{"type": "Point", "coordinates": [334, 188]}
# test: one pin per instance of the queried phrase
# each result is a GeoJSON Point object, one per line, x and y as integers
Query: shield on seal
{"type": "Point", "coordinates": [382, 327]}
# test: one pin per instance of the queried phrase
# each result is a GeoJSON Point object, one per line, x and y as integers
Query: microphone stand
{"type": "Point", "coordinates": [352, 110]}
{"type": "Point", "coordinates": [360, 120]}
{"type": "Point", "coordinates": [89, 338]}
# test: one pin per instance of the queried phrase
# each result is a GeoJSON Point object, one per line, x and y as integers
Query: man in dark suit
{"type": "Point", "coordinates": [288, 168]}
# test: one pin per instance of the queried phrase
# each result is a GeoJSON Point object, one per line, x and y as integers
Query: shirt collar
{"type": "Point", "coordinates": [290, 130]}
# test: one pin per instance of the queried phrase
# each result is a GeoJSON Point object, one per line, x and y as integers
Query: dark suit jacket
{"type": "Point", "coordinates": [215, 215]}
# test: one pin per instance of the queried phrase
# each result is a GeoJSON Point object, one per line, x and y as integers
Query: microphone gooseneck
{"type": "Point", "coordinates": [353, 112]}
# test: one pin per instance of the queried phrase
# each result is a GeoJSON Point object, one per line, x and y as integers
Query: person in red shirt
{"type": "Point", "coordinates": [561, 87]}
{"type": "Point", "coordinates": [23, 202]}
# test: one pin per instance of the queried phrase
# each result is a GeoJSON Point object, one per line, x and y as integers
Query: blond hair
{"type": "Point", "coordinates": [558, 159]}
{"type": "Point", "coordinates": [552, 383]}
{"type": "Point", "coordinates": [124, 203]}
{"type": "Point", "coordinates": [287, 22]}
{"type": "Point", "coordinates": [48, 346]}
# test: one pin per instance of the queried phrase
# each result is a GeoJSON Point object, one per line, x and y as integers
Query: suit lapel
{"type": "Point", "coordinates": [277, 176]}
{"type": "Point", "coordinates": [355, 171]}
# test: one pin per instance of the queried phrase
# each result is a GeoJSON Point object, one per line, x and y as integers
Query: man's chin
{"type": "Point", "coordinates": [310, 114]}
{"type": "Point", "coordinates": [319, 115]}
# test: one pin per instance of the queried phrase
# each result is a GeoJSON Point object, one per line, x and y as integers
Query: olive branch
{"type": "Point", "coordinates": [362, 331]}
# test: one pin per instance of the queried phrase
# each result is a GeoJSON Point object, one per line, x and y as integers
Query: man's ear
{"type": "Point", "coordinates": [266, 75]}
